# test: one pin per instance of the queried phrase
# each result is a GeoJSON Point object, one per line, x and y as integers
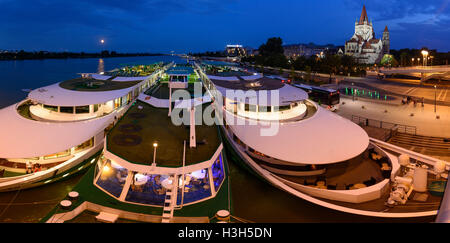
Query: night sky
{"type": "Point", "coordinates": [202, 25]}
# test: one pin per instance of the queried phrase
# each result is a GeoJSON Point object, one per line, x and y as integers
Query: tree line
{"type": "Point", "coordinates": [24, 55]}
{"type": "Point", "coordinates": [271, 54]}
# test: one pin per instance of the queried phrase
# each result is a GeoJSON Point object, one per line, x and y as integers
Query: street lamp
{"type": "Point", "coordinates": [424, 54]}
{"type": "Point", "coordinates": [412, 61]}
{"type": "Point", "coordinates": [155, 145]}
{"type": "Point", "coordinates": [353, 91]}
{"type": "Point", "coordinates": [435, 99]}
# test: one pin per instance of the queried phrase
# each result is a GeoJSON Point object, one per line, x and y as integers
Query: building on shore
{"type": "Point", "coordinates": [363, 45]}
{"type": "Point", "coordinates": [235, 51]}
{"type": "Point", "coordinates": [311, 49]}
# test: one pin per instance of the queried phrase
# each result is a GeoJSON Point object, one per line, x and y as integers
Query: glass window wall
{"type": "Point", "coordinates": [112, 178]}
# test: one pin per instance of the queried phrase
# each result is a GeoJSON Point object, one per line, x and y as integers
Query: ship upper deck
{"type": "Point", "coordinates": [94, 85]}
{"type": "Point", "coordinates": [143, 125]}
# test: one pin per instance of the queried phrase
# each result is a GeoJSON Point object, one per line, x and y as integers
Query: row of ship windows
{"type": "Point", "coordinates": [71, 109]}
{"type": "Point", "coordinates": [254, 108]}
{"type": "Point", "coordinates": [119, 102]}
{"type": "Point", "coordinates": [88, 144]}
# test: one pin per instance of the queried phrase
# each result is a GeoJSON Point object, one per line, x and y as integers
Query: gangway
{"type": "Point", "coordinates": [170, 200]}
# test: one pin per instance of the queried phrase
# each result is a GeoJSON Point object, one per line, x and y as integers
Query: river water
{"type": "Point", "coordinates": [252, 198]}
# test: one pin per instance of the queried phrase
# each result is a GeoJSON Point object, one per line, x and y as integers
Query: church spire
{"type": "Point", "coordinates": [386, 29]}
{"type": "Point", "coordinates": [363, 16]}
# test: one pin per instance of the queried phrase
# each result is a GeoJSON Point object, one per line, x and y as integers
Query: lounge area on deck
{"type": "Point", "coordinates": [151, 189]}
{"type": "Point", "coordinates": [357, 173]}
{"type": "Point", "coordinates": [143, 125]}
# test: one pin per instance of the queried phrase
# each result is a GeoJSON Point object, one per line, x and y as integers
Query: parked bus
{"type": "Point", "coordinates": [326, 97]}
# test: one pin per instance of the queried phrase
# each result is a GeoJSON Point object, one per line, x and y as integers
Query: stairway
{"type": "Point", "coordinates": [436, 75]}
{"type": "Point", "coordinates": [422, 144]}
{"type": "Point", "coordinates": [170, 201]}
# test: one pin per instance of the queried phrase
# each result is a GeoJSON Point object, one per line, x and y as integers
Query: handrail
{"type": "Point", "coordinates": [413, 155]}
{"type": "Point", "coordinates": [386, 125]}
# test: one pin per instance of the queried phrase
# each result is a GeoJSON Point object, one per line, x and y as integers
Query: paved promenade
{"type": "Point", "coordinates": [424, 117]}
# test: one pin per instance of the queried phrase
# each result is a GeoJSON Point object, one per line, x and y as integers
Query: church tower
{"type": "Point", "coordinates": [386, 41]}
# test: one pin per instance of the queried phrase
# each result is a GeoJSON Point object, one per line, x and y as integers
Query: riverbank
{"type": "Point", "coordinates": [42, 55]}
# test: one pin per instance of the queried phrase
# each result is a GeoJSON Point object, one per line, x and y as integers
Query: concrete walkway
{"type": "Point", "coordinates": [424, 117]}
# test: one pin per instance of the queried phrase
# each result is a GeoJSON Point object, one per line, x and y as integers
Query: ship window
{"type": "Point", "coordinates": [251, 108]}
{"type": "Point", "coordinates": [66, 109]}
{"type": "Point", "coordinates": [196, 187]}
{"type": "Point", "coordinates": [88, 144]}
{"type": "Point", "coordinates": [82, 109]}
{"type": "Point", "coordinates": [112, 178]}
{"type": "Point", "coordinates": [284, 108]}
{"type": "Point", "coordinates": [148, 189]}
{"type": "Point", "coordinates": [58, 155]}
{"type": "Point", "coordinates": [51, 108]}
{"type": "Point", "coordinates": [265, 108]}
{"type": "Point", "coordinates": [96, 107]}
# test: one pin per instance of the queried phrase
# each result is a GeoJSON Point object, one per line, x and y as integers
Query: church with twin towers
{"type": "Point", "coordinates": [364, 46]}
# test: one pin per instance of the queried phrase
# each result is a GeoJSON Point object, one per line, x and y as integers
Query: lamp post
{"type": "Point", "coordinates": [353, 91]}
{"type": "Point", "coordinates": [412, 62]}
{"type": "Point", "coordinates": [155, 145]}
{"type": "Point", "coordinates": [435, 99]}
{"type": "Point", "coordinates": [424, 54]}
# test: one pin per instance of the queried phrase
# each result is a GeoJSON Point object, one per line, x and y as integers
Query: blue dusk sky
{"type": "Point", "coordinates": [209, 25]}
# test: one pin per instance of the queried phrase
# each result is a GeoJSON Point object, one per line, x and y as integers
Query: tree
{"type": "Point", "coordinates": [272, 53]}
{"type": "Point", "coordinates": [308, 73]}
{"type": "Point", "coordinates": [403, 58]}
{"type": "Point", "coordinates": [273, 46]}
{"type": "Point", "coordinates": [293, 74]}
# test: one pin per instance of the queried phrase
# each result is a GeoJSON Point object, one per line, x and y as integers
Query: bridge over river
{"type": "Point", "coordinates": [424, 72]}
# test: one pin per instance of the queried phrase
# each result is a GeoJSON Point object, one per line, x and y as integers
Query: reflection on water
{"type": "Point", "coordinates": [101, 66]}
{"type": "Point", "coordinates": [31, 205]}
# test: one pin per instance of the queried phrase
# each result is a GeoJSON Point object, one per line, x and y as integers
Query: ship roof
{"type": "Point", "coordinates": [26, 138]}
{"type": "Point", "coordinates": [323, 138]}
{"type": "Point", "coordinates": [255, 90]}
{"type": "Point", "coordinates": [76, 92]}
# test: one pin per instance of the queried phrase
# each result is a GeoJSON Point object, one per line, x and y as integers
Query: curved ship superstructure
{"type": "Point", "coordinates": [59, 129]}
{"type": "Point", "coordinates": [154, 169]}
{"type": "Point", "coordinates": [314, 154]}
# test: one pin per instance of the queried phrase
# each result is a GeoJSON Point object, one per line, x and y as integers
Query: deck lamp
{"type": "Point", "coordinates": [155, 145]}
{"type": "Point", "coordinates": [435, 101]}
